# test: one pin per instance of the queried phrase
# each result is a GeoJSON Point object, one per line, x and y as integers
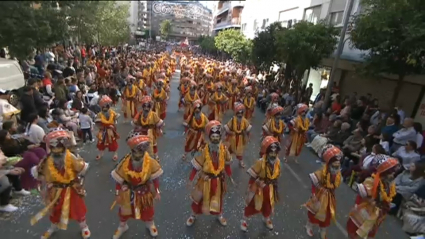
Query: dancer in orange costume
{"type": "Point", "coordinates": [299, 127]}
{"type": "Point", "coordinates": [107, 136]}
{"type": "Point", "coordinates": [188, 100]}
{"type": "Point", "coordinates": [209, 89]}
{"type": "Point", "coordinates": [160, 98]}
{"type": "Point", "coordinates": [184, 89]}
{"type": "Point", "coordinates": [237, 130]}
{"type": "Point", "coordinates": [217, 102]}
{"type": "Point", "coordinates": [141, 83]}
{"type": "Point", "coordinates": [194, 128]}
{"type": "Point", "coordinates": [263, 185]}
{"type": "Point", "coordinates": [137, 185]}
{"type": "Point", "coordinates": [232, 93]}
{"type": "Point", "coordinates": [322, 204]}
{"type": "Point", "coordinates": [212, 163]}
{"type": "Point", "coordinates": [274, 101]}
{"type": "Point", "coordinates": [148, 123]}
{"type": "Point", "coordinates": [249, 103]}
{"type": "Point", "coordinates": [275, 126]}
{"type": "Point", "coordinates": [130, 98]}
{"type": "Point", "coordinates": [373, 201]}
{"type": "Point", "coordinates": [64, 194]}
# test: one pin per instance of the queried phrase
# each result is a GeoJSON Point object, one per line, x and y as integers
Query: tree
{"type": "Point", "coordinates": [235, 44]}
{"type": "Point", "coordinates": [304, 47]}
{"type": "Point", "coordinates": [165, 28]}
{"type": "Point", "coordinates": [113, 27]}
{"type": "Point", "coordinates": [26, 26]}
{"type": "Point", "coordinates": [393, 33]}
{"type": "Point", "coordinates": [264, 52]}
{"type": "Point", "coordinates": [207, 44]}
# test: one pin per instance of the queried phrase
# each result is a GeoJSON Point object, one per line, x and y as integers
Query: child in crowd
{"type": "Point", "coordinates": [86, 124]}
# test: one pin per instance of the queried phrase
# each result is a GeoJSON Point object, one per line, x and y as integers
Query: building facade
{"type": "Point", "coordinates": [188, 19]}
{"type": "Point", "coordinates": [227, 15]}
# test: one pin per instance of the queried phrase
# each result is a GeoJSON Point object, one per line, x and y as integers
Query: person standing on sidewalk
{"type": "Point", "coordinates": [86, 125]}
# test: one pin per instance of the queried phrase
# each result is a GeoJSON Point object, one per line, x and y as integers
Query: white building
{"type": "Point", "coordinates": [257, 15]}
{"type": "Point", "coordinates": [227, 15]}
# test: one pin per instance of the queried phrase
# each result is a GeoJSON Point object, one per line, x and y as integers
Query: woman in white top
{"type": "Point", "coordinates": [419, 138]}
{"type": "Point", "coordinates": [407, 154]}
{"type": "Point", "coordinates": [34, 132]}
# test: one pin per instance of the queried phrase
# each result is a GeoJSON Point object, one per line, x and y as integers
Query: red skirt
{"type": "Point", "coordinates": [266, 208]}
{"type": "Point", "coordinates": [197, 207]}
{"type": "Point", "coordinates": [352, 230]}
{"type": "Point", "coordinates": [77, 208]}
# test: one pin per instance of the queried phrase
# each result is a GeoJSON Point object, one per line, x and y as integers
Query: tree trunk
{"type": "Point", "coordinates": [400, 83]}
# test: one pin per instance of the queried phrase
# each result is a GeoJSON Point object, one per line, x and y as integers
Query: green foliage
{"type": "Point", "coordinates": [165, 28]}
{"type": "Point", "coordinates": [304, 47]}
{"type": "Point", "coordinates": [264, 52]}
{"type": "Point", "coordinates": [393, 33]}
{"type": "Point", "coordinates": [207, 43]}
{"type": "Point", "coordinates": [235, 44]}
{"type": "Point", "coordinates": [23, 28]}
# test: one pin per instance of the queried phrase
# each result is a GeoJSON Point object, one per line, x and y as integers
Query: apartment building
{"type": "Point", "coordinates": [189, 19]}
{"type": "Point", "coordinates": [227, 15]}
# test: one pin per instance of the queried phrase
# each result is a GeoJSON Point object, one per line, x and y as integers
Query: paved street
{"type": "Point", "coordinates": [174, 208]}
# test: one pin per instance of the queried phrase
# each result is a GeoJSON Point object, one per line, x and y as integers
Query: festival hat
{"type": "Point", "coordinates": [384, 167]}
{"type": "Point", "coordinates": [213, 127]}
{"type": "Point", "coordinates": [138, 141]}
{"type": "Point", "coordinates": [267, 142]}
{"type": "Point", "coordinates": [105, 101]}
{"type": "Point", "coordinates": [301, 108]}
{"type": "Point", "coordinates": [331, 153]}
{"type": "Point", "coordinates": [276, 110]}
{"type": "Point", "coordinates": [239, 107]}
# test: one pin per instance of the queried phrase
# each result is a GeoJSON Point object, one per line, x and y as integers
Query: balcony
{"type": "Point", "coordinates": [231, 22]}
{"type": "Point", "coordinates": [225, 7]}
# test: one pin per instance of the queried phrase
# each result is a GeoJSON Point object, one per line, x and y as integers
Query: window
{"type": "Point", "coordinates": [255, 25]}
{"type": "Point", "coordinates": [265, 23]}
{"type": "Point", "coordinates": [243, 27]}
{"type": "Point", "coordinates": [336, 18]}
{"type": "Point", "coordinates": [313, 14]}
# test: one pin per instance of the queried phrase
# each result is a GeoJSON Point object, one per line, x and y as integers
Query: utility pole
{"type": "Point", "coordinates": [339, 50]}
{"type": "Point", "coordinates": [150, 21]}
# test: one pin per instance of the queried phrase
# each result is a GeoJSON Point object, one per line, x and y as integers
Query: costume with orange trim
{"type": "Point", "coordinates": [237, 131]}
{"type": "Point", "coordinates": [160, 97]}
{"type": "Point", "coordinates": [275, 126]}
{"type": "Point", "coordinates": [232, 93]}
{"type": "Point", "coordinates": [299, 127]}
{"type": "Point", "coordinates": [141, 83]}
{"type": "Point", "coordinates": [194, 128]}
{"type": "Point", "coordinates": [262, 192]}
{"type": "Point", "coordinates": [130, 98]}
{"type": "Point", "coordinates": [249, 103]}
{"type": "Point", "coordinates": [61, 173]}
{"type": "Point", "coordinates": [137, 185]}
{"type": "Point", "coordinates": [183, 89]}
{"type": "Point", "coordinates": [107, 136]}
{"type": "Point", "coordinates": [148, 123]}
{"type": "Point", "coordinates": [274, 101]}
{"type": "Point", "coordinates": [147, 74]}
{"type": "Point", "coordinates": [373, 201]}
{"type": "Point", "coordinates": [188, 100]}
{"type": "Point", "coordinates": [321, 207]}
{"type": "Point", "coordinates": [216, 103]}
{"type": "Point", "coordinates": [209, 86]}
{"type": "Point", "coordinates": [212, 163]}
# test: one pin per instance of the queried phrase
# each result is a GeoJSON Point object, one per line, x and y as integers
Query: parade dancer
{"type": "Point", "coordinates": [148, 123]}
{"type": "Point", "coordinates": [137, 185]}
{"type": "Point", "coordinates": [249, 103]}
{"type": "Point", "coordinates": [232, 94]}
{"type": "Point", "coordinates": [107, 136]}
{"type": "Point", "coordinates": [130, 96]}
{"type": "Point", "coordinates": [237, 130]}
{"type": "Point", "coordinates": [188, 100]}
{"type": "Point", "coordinates": [183, 89]}
{"type": "Point", "coordinates": [373, 201]}
{"type": "Point", "coordinates": [275, 126]}
{"type": "Point", "coordinates": [262, 188]}
{"type": "Point", "coordinates": [212, 163]}
{"type": "Point", "coordinates": [194, 128]}
{"type": "Point", "coordinates": [209, 89]}
{"type": "Point", "coordinates": [322, 204]}
{"type": "Point", "coordinates": [299, 127]}
{"type": "Point", "coordinates": [61, 174]}
{"type": "Point", "coordinates": [274, 101]}
{"type": "Point", "coordinates": [217, 102]}
{"type": "Point", "coordinates": [141, 83]}
{"type": "Point", "coordinates": [160, 98]}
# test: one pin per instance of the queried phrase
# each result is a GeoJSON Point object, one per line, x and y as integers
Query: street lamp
{"type": "Point", "coordinates": [339, 50]}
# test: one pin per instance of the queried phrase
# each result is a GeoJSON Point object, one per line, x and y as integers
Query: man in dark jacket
{"type": "Point", "coordinates": [38, 97]}
{"type": "Point", "coordinates": [27, 103]}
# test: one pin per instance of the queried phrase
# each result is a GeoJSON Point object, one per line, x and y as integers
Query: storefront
{"type": "Point", "coordinates": [319, 78]}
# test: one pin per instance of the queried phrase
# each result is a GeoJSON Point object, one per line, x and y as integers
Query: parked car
{"type": "Point", "coordinates": [11, 78]}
